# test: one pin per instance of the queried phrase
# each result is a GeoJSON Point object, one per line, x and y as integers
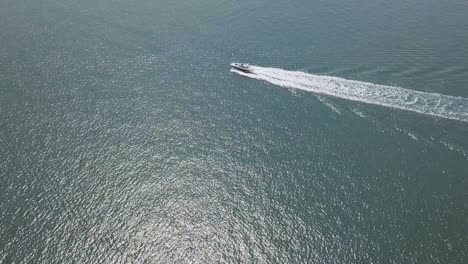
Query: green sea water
{"type": "Point", "coordinates": [125, 137]}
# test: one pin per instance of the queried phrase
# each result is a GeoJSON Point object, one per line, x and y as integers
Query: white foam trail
{"type": "Point", "coordinates": [450, 107]}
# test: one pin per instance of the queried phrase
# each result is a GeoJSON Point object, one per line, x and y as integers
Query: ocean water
{"type": "Point", "coordinates": [126, 138]}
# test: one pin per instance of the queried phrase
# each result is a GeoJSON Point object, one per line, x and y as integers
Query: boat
{"type": "Point", "coordinates": [243, 67]}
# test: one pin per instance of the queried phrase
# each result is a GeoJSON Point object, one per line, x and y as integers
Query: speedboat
{"type": "Point", "coordinates": [242, 67]}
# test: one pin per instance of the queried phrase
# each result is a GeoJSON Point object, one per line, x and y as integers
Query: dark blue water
{"type": "Point", "coordinates": [124, 137]}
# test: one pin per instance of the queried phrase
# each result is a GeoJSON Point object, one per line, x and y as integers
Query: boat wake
{"type": "Point", "coordinates": [450, 107]}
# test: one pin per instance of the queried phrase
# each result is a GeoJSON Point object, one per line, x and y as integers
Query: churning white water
{"type": "Point", "coordinates": [445, 106]}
